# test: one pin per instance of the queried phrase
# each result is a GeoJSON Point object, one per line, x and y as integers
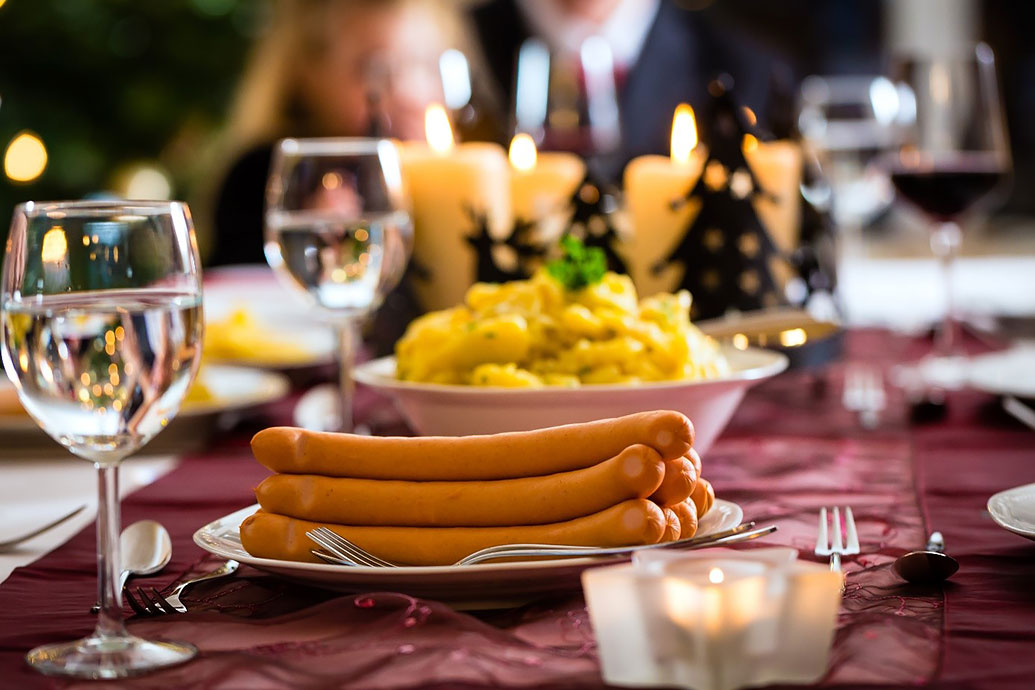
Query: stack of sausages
{"type": "Point", "coordinates": [434, 500]}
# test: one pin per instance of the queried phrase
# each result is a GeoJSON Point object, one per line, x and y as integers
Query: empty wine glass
{"type": "Point", "coordinates": [336, 233]}
{"type": "Point", "coordinates": [102, 320]}
{"type": "Point", "coordinates": [954, 154]}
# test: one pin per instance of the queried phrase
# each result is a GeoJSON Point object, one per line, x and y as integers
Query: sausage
{"type": "Point", "coordinates": [696, 459]}
{"type": "Point", "coordinates": [636, 521]}
{"type": "Point", "coordinates": [498, 456]}
{"type": "Point", "coordinates": [636, 472]}
{"type": "Point", "coordinates": [672, 525]}
{"type": "Point", "coordinates": [686, 511]}
{"type": "Point", "coordinates": [703, 497]}
{"type": "Point", "coordinates": [679, 482]}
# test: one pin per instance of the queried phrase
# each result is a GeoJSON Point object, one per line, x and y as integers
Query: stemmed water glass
{"type": "Point", "coordinates": [954, 154]}
{"type": "Point", "coordinates": [102, 328]}
{"type": "Point", "coordinates": [337, 233]}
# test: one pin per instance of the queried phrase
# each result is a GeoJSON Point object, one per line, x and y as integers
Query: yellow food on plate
{"type": "Point", "coordinates": [198, 393]}
{"type": "Point", "coordinates": [535, 333]}
{"type": "Point", "coordinates": [241, 338]}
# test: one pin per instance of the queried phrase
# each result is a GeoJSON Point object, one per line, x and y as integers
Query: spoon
{"type": "Point", "coordinates": [145, 548]}
{"type": "Point", "coordinates": [928, 566]}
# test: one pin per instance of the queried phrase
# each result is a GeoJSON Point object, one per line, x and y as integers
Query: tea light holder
{"type": "Point", "coordinates": [714, 620]}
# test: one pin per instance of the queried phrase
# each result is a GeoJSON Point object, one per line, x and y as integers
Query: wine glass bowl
{"type": "Point", "coordinates": [102, 329]}
{"type": "Point", "coordinates": [337, 233]}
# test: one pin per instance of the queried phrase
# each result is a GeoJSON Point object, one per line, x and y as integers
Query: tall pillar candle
{"type": "Point", "coordinates": [459, 194]}
{"type": "Point", "coordinates": [652, 184]}
{"type": "Point", "coordinates": [541, 185]}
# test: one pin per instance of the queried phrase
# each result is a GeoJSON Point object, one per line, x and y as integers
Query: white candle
{"type": "Point", "coordinates": [447, 183]}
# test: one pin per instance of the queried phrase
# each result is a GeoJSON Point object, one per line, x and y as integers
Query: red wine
{"type": "Point", "coordinates": [947, 189]}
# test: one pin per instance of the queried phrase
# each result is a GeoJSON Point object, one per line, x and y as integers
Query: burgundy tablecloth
{"type": "Point", "coordinates": [790, 449]}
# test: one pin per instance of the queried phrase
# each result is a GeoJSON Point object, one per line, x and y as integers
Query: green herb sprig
{"type": "Point", "coordinates": [579, 266]}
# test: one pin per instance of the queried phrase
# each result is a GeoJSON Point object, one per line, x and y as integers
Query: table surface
{"type": "Point", "coordinates": [789, 449]}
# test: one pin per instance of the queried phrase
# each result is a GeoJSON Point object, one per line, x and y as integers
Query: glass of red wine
{"type": "Point", "coordinates": [954, 155]}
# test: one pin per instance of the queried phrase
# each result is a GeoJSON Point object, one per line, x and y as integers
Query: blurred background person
{"type": "Point", "coordinates": [661, 52]}
{"type": "Point", "coordinates": [327, 68]}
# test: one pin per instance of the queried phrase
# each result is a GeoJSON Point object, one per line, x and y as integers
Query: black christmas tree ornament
{"type": "Point", "coordinates": [726, 252]}
{"type": "Point", "coordinates": [591, 219]}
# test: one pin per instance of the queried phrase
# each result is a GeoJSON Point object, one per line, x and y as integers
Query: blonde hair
{"type": "Point", "coordinates": [267, 104]}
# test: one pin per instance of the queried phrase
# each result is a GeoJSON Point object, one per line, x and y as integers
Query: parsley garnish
{"type": "Point", "coordinates": [579, 266]}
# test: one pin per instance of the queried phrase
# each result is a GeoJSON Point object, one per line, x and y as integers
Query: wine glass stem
{"type": "Point", "coordinates": [109, 619]}
{"type": "Point", "coordinates": [945, 242]}
{"type": "Point", "coordinates": [346, 361]}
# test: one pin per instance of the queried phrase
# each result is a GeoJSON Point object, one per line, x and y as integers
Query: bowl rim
{"type": "Point", "coordinates": [368, 374]}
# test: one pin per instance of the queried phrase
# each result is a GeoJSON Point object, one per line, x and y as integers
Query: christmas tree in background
{"type": "Point", "coordinates": [726, 251]}
{"type": "Point", "coordinates": [109, 86]}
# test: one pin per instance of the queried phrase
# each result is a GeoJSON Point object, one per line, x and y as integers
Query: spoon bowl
{"type": "Point", "coordinates": [145, 548]}
{"type": "Point", "coordinates": [927, 566]}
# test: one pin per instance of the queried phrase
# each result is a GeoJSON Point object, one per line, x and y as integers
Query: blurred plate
{"type": "Point", "coordinates": [1014, 510]}
{"type": "Point", "coordinates": [278, 315]}
{"type": "Point", "coordinates": [483, 585]}
{"type": "Point", "coordinates": [1010, 372]}
{"type": "Point", "coordinates": [452, 410]}
{"type": "Point", "coordinates": [233, 390]}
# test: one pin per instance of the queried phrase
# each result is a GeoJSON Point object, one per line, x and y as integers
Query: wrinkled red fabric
{"type": "Point", "coordinates": [790, 449]}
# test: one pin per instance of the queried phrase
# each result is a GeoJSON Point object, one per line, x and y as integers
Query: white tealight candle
{"type": "Point", "coordinates": [714, 620]}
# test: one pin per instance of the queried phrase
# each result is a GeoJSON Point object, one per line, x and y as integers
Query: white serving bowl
{"type": "Point", "coordinates": [449, 410]}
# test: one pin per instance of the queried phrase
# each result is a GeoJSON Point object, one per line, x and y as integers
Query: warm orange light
{"type": "Point", "coordinates": [750, 143]}
{"type": "Point", "coordinates": [25, 158]}
{"type": "Point", "coordinates": [523, 153]}
{"type": "Point", "coordinates": [684, 134]}
{"type": "Point", "coordinates": [437, 129]}
{"type": "Point", "coordinates": [55, 245]}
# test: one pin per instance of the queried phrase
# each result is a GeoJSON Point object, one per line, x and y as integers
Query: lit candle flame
{"type": "Point", "coordinates": [750, 143]}
{"type": "Point", "coordinates": [437, 129]}
{"type": "Point", "coordinates": [55, 245]}
{"type": "Point", "coordinates": [716, 576]}
{"type": "Point", "coordinates": [684, 134]}
{"type": "Point", "coordinates": [522, 153]}
{"type": "Point", "coordinates": [793, 337]}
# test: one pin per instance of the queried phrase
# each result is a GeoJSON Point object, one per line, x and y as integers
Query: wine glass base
{"type": "Point", "coordinates": [100, 657]}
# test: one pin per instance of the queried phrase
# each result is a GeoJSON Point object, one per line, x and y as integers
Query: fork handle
{"type": "Point", "coordinates": [227, 568]}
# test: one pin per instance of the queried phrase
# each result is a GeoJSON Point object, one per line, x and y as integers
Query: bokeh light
{"type": "Point", "coordinates": [26, 158]}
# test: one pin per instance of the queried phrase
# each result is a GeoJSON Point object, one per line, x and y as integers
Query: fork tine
{"type": "Point", "coordinates": [350, 548]}
{"type": "Point", "coordinates": [838, 544]}
{"type": "Point", "coordinates": [138, 609]}
{"type": "Point", "coordinates": [822, 544]}
{"type": "Point", "coordinates": [340, 550]}
{"type": "Point", "coordinates": [344, 547]}
{"type": "Point", "coordinates": [852, 546]}
{"type": "Point", "coordinates": [153, 601]}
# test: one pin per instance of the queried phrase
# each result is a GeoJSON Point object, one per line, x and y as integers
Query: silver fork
{"type": "Point", "coordinates": [150, 602]}
{"type": "Point", "coordinates": [864, 394]}
{"type": "Point", "coordinates": [340, 551]}
{"type": "Point", "coordinates": [833, 546]}
{"type": "Point", "coordinates": [10, 544]}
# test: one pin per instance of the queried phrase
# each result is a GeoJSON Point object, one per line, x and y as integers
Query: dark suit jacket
{"type": "Point", "coordinates": [683, 51]}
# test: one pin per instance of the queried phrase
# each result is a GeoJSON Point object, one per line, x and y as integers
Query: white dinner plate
{"type": "Point", "coordinates": [1009, 372]}
{"type": "Point", "coordinates": [479, 586]}
{"type": "Point", "coordinates": [275, 309]}
{"type": "Point", "coordinates": [232, 388]}
{"type": "Point", "coordinates": [1014, 510]}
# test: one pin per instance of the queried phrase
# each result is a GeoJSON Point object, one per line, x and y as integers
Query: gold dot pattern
{"type": "Point", "coordinates": [749, 245]}
{"type": "Point", "coordinates": [713, 239]}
